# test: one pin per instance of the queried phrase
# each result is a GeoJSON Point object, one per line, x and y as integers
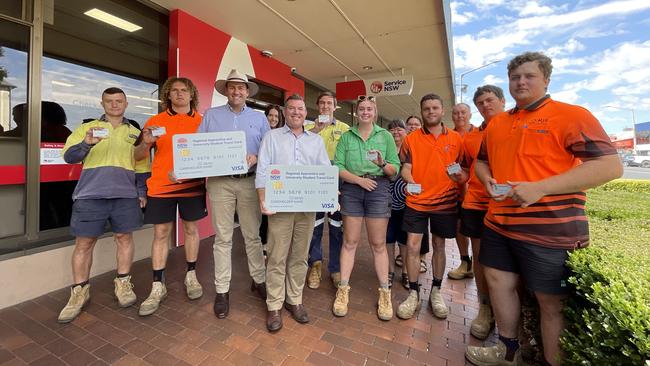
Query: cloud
{"type": "Point", "coordinates": [458, 18]}
{"type": "Point", "coordinates": [533, 8]}
{"type": "Point", "coordinates": [487, 4]}
{"type": "Point", "coordinates": [570, 96]}
{"type": "Point", "coordinates": [570, 47]}
{"type": "Point", "coordinates": [473, 50]}
{"type": "Point", "coordinates": [492, 79]}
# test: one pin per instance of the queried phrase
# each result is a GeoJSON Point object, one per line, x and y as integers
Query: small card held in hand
{"type": "Point", "coordinates": [413, 188]}
{"type": "Point", "coordinates": [454, 168]}
{"type": "Point", "coordinates": [158, 132]}
{"type": "Point", "coordinates": [501, 189]}
{"type": "Point", "coordinates": [101, 133]}
{"type": "Point", "coordinates": [323, 118]}
{"type": "Point", "coordinates": [371, 155]}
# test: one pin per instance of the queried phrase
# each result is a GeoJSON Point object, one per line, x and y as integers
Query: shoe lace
{"type": "Point", "coordinates": [341, 294]}
{"type": "Point", "coordinates": [191, 280]}
{"type": "Point", "coordinates": [156, 291]}
{"type": "Point", "coordinates": [76, 297]}
{"type": "Point", "coordinates": [124, 285]}
{"type": "Point", "coordinates": [384, 299]}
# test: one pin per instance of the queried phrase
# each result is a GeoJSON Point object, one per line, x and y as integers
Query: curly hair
{"type": "Point", "coordinates": [166, 89]}
{"type": "Point", "coordinates": [543, 62]}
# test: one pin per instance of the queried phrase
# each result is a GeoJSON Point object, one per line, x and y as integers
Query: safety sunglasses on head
{"type": "Point", "coordinates": [369, 98]}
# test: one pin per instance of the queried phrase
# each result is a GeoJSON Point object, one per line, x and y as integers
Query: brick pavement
{"type": "Point", "coordinates": [185, 332]}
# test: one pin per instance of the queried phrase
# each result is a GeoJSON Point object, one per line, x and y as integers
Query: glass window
{"type": "Point", "coordinates": [85, 52]}
{"type": "Point", "coordinates": [71, 95]}
{"type": "Point", "coordinates": [14, 56]}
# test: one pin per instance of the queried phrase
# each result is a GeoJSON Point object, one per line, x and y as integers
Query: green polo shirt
{"type": "Point", "coordinates": [351, 151]}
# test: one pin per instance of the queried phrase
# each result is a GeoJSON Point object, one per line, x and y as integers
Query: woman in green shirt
{"type": "Point", "coordinates": [367, 157]}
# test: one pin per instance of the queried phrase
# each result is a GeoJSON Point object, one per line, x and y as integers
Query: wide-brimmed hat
{"type": "Point", "coordinates": [220, 85]}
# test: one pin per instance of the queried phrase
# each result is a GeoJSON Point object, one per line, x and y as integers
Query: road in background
{"type": "Point", "coordinates": [636, 173]}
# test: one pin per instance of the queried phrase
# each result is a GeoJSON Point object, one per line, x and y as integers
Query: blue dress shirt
{"type": "Point", "coordinates": [224, 119]}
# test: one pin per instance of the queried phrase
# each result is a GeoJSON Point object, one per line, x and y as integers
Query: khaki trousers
{"type": "Point", "coordinates": [226, 195]}
{"type": "Point", "coordinates": [287, 250]}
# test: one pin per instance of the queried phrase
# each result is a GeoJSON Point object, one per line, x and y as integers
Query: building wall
{"type": "Point", "coordinates": [27, 277]}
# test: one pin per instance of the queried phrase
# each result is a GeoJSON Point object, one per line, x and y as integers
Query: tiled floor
{"type": "Point", "coordinates": [187, 332]}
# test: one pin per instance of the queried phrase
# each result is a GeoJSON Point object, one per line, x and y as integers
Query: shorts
{"type": "Point", "coordinates": [542, 269]}
{"type": "Point", "coordinates": [442, 225]}
{"type": "Point", "coordinates": [89, 216]}
{"type": "Point", "coordinates": [394, 232]}
{"type": "Point", "coordinates": [471, 222]}
{"type": "Point", "coordinates": [357, 202]}
{"type": "Point", "coordinates": [161, 210]}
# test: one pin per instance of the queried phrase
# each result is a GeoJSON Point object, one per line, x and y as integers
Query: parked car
{"type": "Point", "coordinates": [642, 160]}
{"type": "Point", "coordinates": [628, 160]}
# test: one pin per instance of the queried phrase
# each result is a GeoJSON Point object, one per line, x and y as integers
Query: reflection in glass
{"type": "Point", "coordinates": [73, 94]}
{"type": "Point", "coordinates": [14, 45]}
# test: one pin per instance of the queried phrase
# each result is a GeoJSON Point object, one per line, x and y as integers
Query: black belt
{"type": "Point", "coordinates": [372, 176]}
{"type": "Point", "coordinates": [245, 175]}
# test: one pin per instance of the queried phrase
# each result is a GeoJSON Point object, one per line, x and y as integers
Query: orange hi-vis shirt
{"type": "Point", "coordinates": [463, 187]}
{"type": "Point", "coordinates": [476, 197]}
{"type": "Point", "coordinates": [429, 157]}
{"type": "Point", "coordinates": [159, 184]}
{"type": "Point", "coordinates": [545, 139]}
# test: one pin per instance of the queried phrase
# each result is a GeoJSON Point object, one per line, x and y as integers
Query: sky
{"type": "Point", "coordinates": [600, 51]}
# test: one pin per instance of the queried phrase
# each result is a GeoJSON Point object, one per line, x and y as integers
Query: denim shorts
{"type": "Point", "coordinates": [357, 202]}
{"type": "Point", "coordinates": [89, 216]}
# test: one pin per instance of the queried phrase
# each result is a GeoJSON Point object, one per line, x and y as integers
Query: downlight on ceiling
{"type": "Point", "coordinates": [367, 67]}
{"type": "Point", "coordinates": [112, 20]}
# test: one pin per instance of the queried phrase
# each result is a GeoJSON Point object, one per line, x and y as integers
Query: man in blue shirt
{"type": "Point", "coordinates": [236, 193]}
{"type": "Point", "coordinates": [289, 232]}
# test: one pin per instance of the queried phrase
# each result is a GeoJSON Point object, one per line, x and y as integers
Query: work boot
{"type": "Point", "coordinates": [314, 276]}
{"type": "Point", "coordinates": [192, 286]}
{"type": "Point", "coordinates": [438, 304]}
{"type": "Point", "coordinates": [462, 271]}
{"type": "Point", "coordinates": [408, 308]}
{"type": "Point", "coordinates": [79, 296]}
{"type": "Point", "coordinates": [483, 323]}
{"type": "Point", "coordinates": [151, 304]}
{"type": "Point", "coordinates": [340, 307]}
{"type": "Point", "coordinates": [384, 304]}
{"type": "Point", "coordinates": [491, 356]}
{"type": "Point", "coordinates": [336, 278]}
{"type": "Point", "coordinates": [124, 291]}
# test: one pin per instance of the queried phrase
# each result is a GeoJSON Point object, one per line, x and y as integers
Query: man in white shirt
{"type": "Point", "coordinates": [289, 232]}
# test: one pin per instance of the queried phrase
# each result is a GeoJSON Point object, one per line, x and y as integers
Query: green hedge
{"type": "Point", "coordinates": [608, 322]}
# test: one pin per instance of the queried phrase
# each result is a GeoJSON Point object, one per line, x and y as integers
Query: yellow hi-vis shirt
{"type": "Point", "coordinates": [108, 166]}
{"type": "Point", "coordinates": [330, 135]}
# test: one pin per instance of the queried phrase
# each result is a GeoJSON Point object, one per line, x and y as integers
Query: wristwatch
{"type": "Point", "coordinates": [383, 165]}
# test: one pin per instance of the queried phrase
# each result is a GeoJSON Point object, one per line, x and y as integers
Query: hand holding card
{"type": "Point", "coordinates": [413, 188]}
{"type": "Point", "coordinates": [501, 189]}
{"type": "Point", "coordinates": [101, 133]}
{"type": "Point", "coordinates": [454, 169]}
{"type": "Point", "coordinates": [158, 132]}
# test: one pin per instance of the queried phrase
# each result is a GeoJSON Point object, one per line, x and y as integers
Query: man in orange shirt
{"type": "Point", "coordinates": [165, 193]}
{"type": "Point", "coordinates": [535, 161]}
{"type": "Point", "coordinates": [460, 116]}
{"type": "Point", "coordinates": [427, 155]}
{"type": "Point", "coordinates": [490, 101]}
